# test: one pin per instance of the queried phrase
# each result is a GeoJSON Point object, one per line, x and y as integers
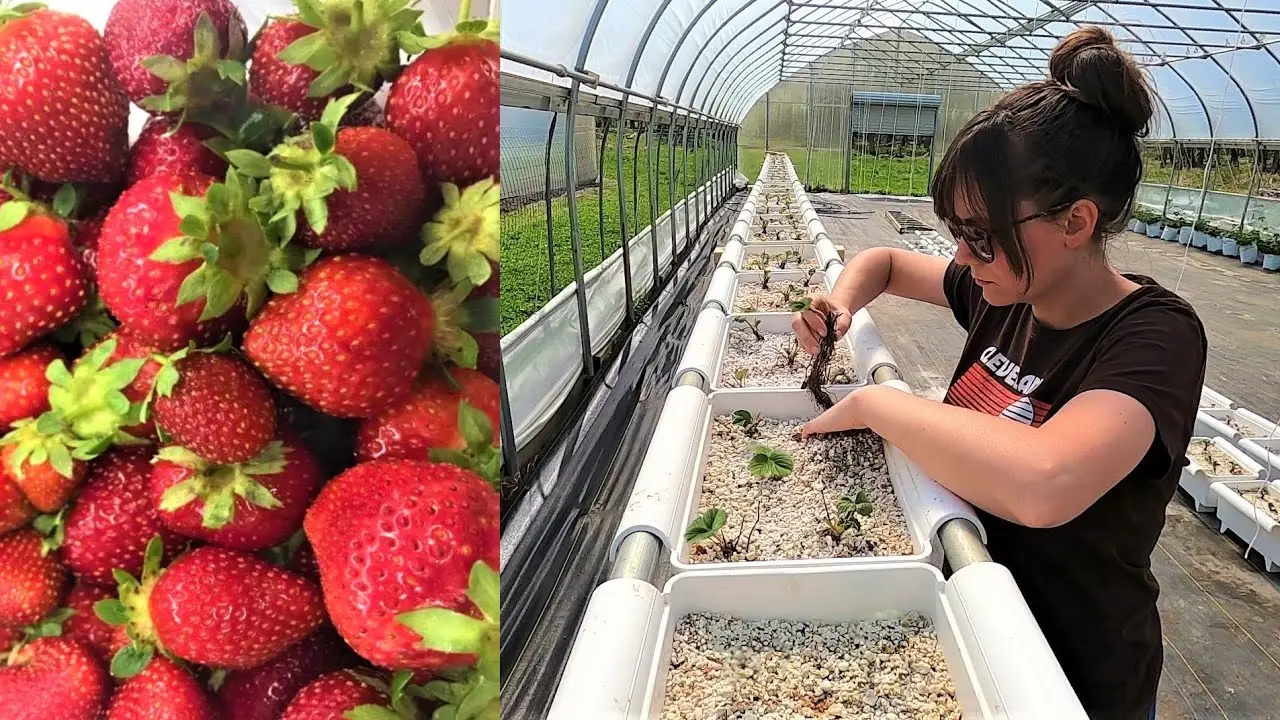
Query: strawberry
{"type": "Point", "coordinates": [31, 582]}
{"type": "Point", "coordinates": [183, 259]}
{"type": "Point", "coordinates": [445, 104]}
{"type": "Point", "coordinates": [263, 693]}
{"type": "Point", "coordinates": [84, 626]}
{"type": "Point", "coordinates": [327, 49]}
{"type": "Point", "coordinates": [128, 347]}
{"type": "Point", "coordinates": [399, 537]}
{"type": "Point", "coordinates": [249, 506]}
{"type": "Point", "coordinates": [111, 521]}
{"type": "Point", "coordinates": [45, 456]}
{"type": "Point", "coordinates": [162, 149]}
{"type": "Point", "coordinates": [467, 324]}
{"type": "Point", "coordinates": [15, 509]}
{"type": "Point", "coordinates": [356, 188]}
{"type": "Point", "coordinates": [53, 678]}
{"type": "Point", "coordinates": [63, 117]}
{"type": "Point", "coordinates": [439, 422]}
{"type": "Point", "coordinates": [349, 342]}
{"type": "Point", "coordinates": [335, 695]}
{"type": "Point", "coordinates": [40, 276]}
{"type": "Point", "coordinates": [212, 606]}
{"type": "Point", "coordinates": [177, 55]}
{"type": "Point", "coordinates": [218, 408]}
{"type": "Point", "coordinates": [84, 238]}
{"type": "Point", "coordinates": [24, 390]}
{"type": "Point", "coordinates": [162, 691]}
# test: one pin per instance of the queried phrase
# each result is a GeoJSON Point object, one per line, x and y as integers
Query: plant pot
{"type": "Point", "coordinates": [1230, 247]}
{"type": "Point", "coordinates": [1169, 233]}
{"type": "Point", "coordinates": [1213, 460]}
{"type": "Point", "coordinates": [1271, 262]}
{"type": "Point", "coordinates": [1248, 254]}
{"type": "Point", "coordinates": [1185, 234]}
{"type": "Point", "coordinates": [1215, 244]}
{"type": "Point", "coordinates": [1154, 229]}
{"type": "Point", "coordinates": [1199, 239]}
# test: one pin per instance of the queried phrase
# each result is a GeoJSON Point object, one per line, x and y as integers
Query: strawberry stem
{"type": "Point", "coordinates": [464, 10]}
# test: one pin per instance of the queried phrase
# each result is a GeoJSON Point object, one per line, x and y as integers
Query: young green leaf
{"type": "Point", "coordinates": [767, 462]}
{"type": "Point", "coordinates": [705, 525]}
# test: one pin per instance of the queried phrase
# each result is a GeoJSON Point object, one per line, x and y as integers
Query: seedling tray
{"type": "Point", "coordinates": [1198, 480]}
{"type": "Point", "coordinates": [772, 326]}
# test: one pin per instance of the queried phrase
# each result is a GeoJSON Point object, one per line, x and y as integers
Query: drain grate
{"type": "Point", "coordinates": [904, 223]}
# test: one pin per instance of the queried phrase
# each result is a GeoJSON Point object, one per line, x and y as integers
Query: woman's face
{"type": "Point", "coordinates": [1050, 252]}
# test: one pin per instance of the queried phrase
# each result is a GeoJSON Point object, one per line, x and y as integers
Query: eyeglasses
{"type": "Point", "coordinates": [980, 241]}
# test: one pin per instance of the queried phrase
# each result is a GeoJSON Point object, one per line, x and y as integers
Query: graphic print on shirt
{"type": "Point", "coordinates": [995, 385]}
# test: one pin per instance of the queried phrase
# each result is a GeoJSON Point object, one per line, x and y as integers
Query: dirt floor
{"type": "Point", "coordinates": [1221, 613]}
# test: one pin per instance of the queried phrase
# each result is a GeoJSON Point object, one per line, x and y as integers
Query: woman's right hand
{"type": "Point", "coordinates": [810, 324]}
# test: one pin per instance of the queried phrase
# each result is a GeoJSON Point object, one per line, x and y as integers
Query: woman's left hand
{"type": "Point", "coordinates": [844, 415]}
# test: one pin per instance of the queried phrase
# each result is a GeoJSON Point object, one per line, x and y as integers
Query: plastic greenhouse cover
{"type": "Point", "coordinates": [1206, 88]}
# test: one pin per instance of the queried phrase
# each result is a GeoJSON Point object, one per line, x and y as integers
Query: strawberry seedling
{"type": "Point", "coordinates": [752, 325]}
{"type": "Point", "coordinates": [749, 423]}
{"type": "Point", "coordinates": [770, 464]}
{"type": "Point", "coordinates": [709, 527]}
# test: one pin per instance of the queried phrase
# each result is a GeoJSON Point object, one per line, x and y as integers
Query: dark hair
{"type": "Point", "coordinates": [1052, 142]}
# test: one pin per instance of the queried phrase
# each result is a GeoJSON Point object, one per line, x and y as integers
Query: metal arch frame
{"type": "Point", "coordinates": [709, 101]}
{"type": "Point", "coordinates": [715, 58]}
{"type": "Point", "coordinates": [771, 30]}
{"type": "Point", "coordinates": [756, 85]}
{"type": "Point", "coordinates": [744, 80]}
{"type": "Point", "coordinates": [755, 64]}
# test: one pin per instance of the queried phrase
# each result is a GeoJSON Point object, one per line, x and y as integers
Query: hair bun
{"type": "Point", "coordinates": [1090, 65]}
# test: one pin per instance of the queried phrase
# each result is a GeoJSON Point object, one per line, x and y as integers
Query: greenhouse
{"type": "Point", "coordinates": [681, 179]}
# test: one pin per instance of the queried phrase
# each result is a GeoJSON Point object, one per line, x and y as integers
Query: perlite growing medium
{"type": "Point", "coordinates": [779, 261]}
{"type": "Point", "coordinates": [753, 296]}
{"type": "Point", "coordinates": [776, 361]}
{"type": "Point", "coordinates": [793, 520]}
{"type": "Point", "coordinates": [1213, 460]}
{"type": "Point", "coordinates": [1265, 500]}
{"type": "Point", "coordinates": [724, 668]}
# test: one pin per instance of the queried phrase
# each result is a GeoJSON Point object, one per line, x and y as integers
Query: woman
{"type": "Point", "coordinates": [1069, 414]}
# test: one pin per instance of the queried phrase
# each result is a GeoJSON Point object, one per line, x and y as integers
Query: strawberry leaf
{"type": "Point", "coordinates": [12, 213]}
{"type": "Point", "coordinates": [111, 611]}
{"type": "Point", "coordinates": [131, 660]}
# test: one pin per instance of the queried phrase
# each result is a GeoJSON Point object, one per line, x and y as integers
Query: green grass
{"type": "Point", "coordinates": [527, 283]}
{"type": "Point", "coordinates": [882, 174]}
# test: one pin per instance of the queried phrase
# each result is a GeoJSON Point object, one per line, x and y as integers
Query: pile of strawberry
{"type": "Point", "coordinates": [248, 364]}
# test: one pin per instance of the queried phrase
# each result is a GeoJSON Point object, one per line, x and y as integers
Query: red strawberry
{"type": "Point", "coordinates": [160, 150]}
{"type": "Point", "coordinates": [84, 238]}
{"type": "Point", "coordinates": [167, 58]}
{"type": "Point", "coordinates": [44, 486]}
{"type": "Point", "coordinates": [40, 276]}
{"type": "Point", "coordinates": [84, 626]}
{"type": "Point", "coordinates": [219, 408]}
{"type": "Point", "coordinates": [212, 606]}
{"type": "Point", "coordinates": [439, 422]}
{"type": "Point", "coordinates": [445, 104]}
{"type": "Point", "coordinates": [326, 50]}
{"type": "Point", "coordinates": [15, 509]}
{"type": "Point", "coordinates": [63, 116]}
{"type": "Point", "coordinates": [128, 347]}
{"type": "Point", "coordinates": [395, 537]}
{"type": "Point", "coordinates": [264, 692]}
{"type": "Point", "coordinates": [8, 638]}
{"type": "Point", "coordinates": [361, 191]}
{"type": "Point", "coordinates": [334, 695]}
{"type": "Point", "coordinates": [251, 506]}
{"type": "Point", "coordinates": [349, 342]}
{"type": "Point", "coordinates": [31, 583]}
{"type": "Point", "coordinates": [162, 691]}
{"type": "Point", "coordinates": [24, 390]}
{"type": "Point", "coordinates": [53, 678]}
{"type": "Point", "coordinates": [112, 520]}
{"type": "Point", "coordinates": [144, 292]}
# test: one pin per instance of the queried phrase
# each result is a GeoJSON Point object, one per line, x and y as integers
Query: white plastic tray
{"type": "Point", "coordinates": [925, 504]}
{"type": "Point", "coordinates": [1211, 422]}
{"type": "Point", "coordinates": [1253, 525]}
{"type": "Point", "coordinates": [1199, 481]}
{"type": "Point", "coordinates": [723, 289]}
{"type": "Point", "coordinates": [1212, 399]}
{"type": "Point", "coordinates": [999, 661]}
{"type": "Point", "coordinates": [709, 361]}
{"type": "Point", "coordinates": [807, 252]}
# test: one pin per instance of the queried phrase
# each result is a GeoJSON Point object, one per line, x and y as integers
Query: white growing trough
{"type": "Point", "coordinates": [1248, 521]}
{"type": "Point", "coordinates": [1198, 477]}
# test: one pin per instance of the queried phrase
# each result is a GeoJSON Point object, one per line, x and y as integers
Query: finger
{"type": "Point", "coordinates": [801, 331]}
{"type": "Point", "coordinates": [843, 321]}
{"type": "Point", "coordinates": [814, 320]}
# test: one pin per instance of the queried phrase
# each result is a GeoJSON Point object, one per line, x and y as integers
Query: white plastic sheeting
{"type": "Point", "coordinates": [1214, 65]}
{"type": "Point", "coordinates": [543, 356]}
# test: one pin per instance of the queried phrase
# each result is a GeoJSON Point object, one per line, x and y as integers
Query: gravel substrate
{"type": "Point", "coordinates": [766, 361]}
{"type": "Point", "coordinates": [792, 523]}
{"type": "Point", "coordinates": [1213, 460]}
{"type": "Point", "coordinates": [1270, 502]}
{"type": "Point", "coordinates": [723, 668]}
{"type": "Point", "coordinates": [1244, 430]}
{"type": "Point", "coordinates": [751, 297]}
{"type": "Point", "coordinates": [749, 262]}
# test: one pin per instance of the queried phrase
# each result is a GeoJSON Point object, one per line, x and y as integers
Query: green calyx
{"type": "Point", "coordinates": [480, 456]}
{"type": "Point", "coordinates": [301, 173]}
{"type": "Point", "coordinates": [87, 414]}
{"type": "Point", "coordinates": [92, 324]}
{"type": "Point", "coordinates": [402, 698]}
{"type": "Point", "coordinates": [21, 205]}
{"type": "Point", "coordinates": [219, 486]}
{"type": "Point", "coordinates": [53, 530]}
{"type": "Point", "coordinates": [131, 609]}
{"type": "Point", "coordinates": [21, 10]}
{"type": "Point", "coordinates": [198, 88]}
{"type": "Point", "coordinates": [468, 693]}
{"type": "Point", "coordinates": [167, 376]}
{"type": "Point", "coordinates": [468, 30]}
{"type": "Point", "coordinates": [239, 253]}
{"type": "Point", "coordinates": [466, 232]}
{"type": "Point", "coordinates": [357, 42]}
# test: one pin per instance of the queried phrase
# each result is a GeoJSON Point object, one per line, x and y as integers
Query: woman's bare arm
{"type": "Point", "coordinates": [890, 270]}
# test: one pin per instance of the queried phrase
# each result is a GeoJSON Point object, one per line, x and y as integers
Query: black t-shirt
{"type": "Point", "coordinates": [1088, 582]}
